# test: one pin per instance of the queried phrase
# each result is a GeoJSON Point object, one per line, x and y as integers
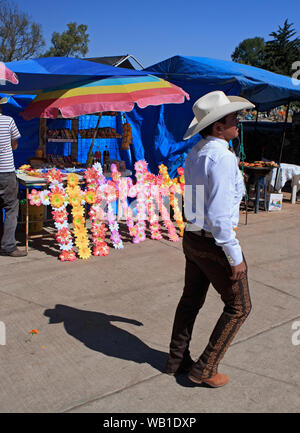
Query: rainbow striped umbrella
{"type": "Point", "coordinates": [7, 75]}
{"type": "Point", "coordinates": [109, 94]}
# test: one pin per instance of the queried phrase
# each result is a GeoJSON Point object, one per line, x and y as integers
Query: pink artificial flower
{"type": "Point", "coordinates": [156, 236]}
{"type": "Point", "coordinates": [54, 175]}
{"type": "Point", "coordinates": [140, 165]}
{"type": "Point", "coordinates": [67, 256]}
{"type": "Point", "coordinates": [35, 198]}
{"type": "Point", "coordinates": [63, 236]}
{"type": "Point", "coordinates": [139, 177]}
{"type": "Point", "coordinates": [115, 236]}
{"type": "Point", "coordinates": [60, 216]}
{"type": "Point", "coordinates": [101, 250]}
{"type": "Point", "coordinates": [91, 175]}
{"type": "Point", "coordinates": [141, 236]}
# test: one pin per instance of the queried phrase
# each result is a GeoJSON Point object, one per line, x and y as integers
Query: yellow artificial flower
{"type": "Point", "coordinates": [81, 239]}
{"type": "Point", "coordinates": [73, 190]}
{"type": "Point", "coordinates": [78, 221]}
{"type": "Point", "coordinates": [79, 230]}
{"type": "Point", "coordinates": [84, 253]}
{"type": "Point", "coordinates": [78, 210]}
{"type": "Point", "coordinates": [57, 200]}
{"type": "Point", "coordinates": [72, 179]}
{"type": "Point", "coordinates": [75, 200]}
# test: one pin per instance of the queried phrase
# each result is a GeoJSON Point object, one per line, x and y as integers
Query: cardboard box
{"type": "Point", "coordinates": [275, 202]}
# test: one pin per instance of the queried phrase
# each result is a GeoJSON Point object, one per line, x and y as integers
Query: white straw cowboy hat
{"type": "Point", "coordinates": [212, 107]}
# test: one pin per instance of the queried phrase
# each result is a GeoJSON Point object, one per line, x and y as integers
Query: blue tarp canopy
{"type": "Point", "coordinates": [158, 131]}
{"type": "Point", "coordinates": [37, 74]}
{"type": "Point", "coordinates": [264, 88]}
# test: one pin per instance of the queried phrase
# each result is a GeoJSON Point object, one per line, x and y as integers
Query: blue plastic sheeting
{"type": "Point", "coordinates": [37, 74]}
{"type": "Point", "coordinates": [264, 88]}
{"type": "Point", "coordinates": [158, 131]}
{"type": "Point", "coordinates": [29, 130]}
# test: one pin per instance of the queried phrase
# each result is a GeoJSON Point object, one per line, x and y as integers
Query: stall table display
{"type": "Point", "coordinates": [257, 178]}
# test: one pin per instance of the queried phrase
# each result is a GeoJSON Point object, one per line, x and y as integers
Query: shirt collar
{"type": "Point", "coordinates": [222, 142]}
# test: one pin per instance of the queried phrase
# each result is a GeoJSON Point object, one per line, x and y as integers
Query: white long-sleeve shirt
{"type": "Point", "coordinates": [211, 164]}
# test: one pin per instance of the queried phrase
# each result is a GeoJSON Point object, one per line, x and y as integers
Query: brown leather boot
{"type": "Point", "coordinates": [215, 381]}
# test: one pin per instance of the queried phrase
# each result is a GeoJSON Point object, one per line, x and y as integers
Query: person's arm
{"type": "Point", "coordinates": [15, 134]}
{"type": "Point", "coordinates": [221, 185]}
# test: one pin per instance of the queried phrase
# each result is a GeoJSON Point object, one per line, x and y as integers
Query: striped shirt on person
{"type": "Point", "coordinates": [8, 132]}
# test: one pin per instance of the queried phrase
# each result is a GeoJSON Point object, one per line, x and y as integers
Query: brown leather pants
{"type": "Point", "coordinates": [206, 263]}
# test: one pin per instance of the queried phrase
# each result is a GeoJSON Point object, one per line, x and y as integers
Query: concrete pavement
{"type": "Point", "coordinates": [104, 327]}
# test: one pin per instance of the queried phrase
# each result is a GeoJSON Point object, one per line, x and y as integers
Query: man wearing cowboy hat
{"type": "Point", "coordinates": [213, 254]}
{"type": "Point", "coordinates": [9, 187]}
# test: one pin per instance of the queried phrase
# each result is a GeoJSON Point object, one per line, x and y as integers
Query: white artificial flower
{"type": "Point", "coordinates": [98, 167]}
{"type": "Point", "coordinates": [60, 226]}
{"type": "Point", "coordinates": [67, 247]}
{"type": "Point", "coordinates": [45, 197]}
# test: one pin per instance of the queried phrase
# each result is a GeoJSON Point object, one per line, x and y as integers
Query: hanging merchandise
{"type": "Point", "coordinates": [126, 134]}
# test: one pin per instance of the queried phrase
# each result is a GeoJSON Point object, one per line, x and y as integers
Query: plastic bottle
{"type": "Point", "coordinates": [105, 156]}
{"type": "Point", "coordinates": [98, 156]}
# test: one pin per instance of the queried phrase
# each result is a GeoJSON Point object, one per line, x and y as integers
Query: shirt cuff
{"type": "Point", "coordinates": [234, 254]}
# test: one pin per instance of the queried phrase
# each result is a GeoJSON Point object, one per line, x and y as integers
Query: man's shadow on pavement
{"type": "Point", "coordinates": [96, 331]}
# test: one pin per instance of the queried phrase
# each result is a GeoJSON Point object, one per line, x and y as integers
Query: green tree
{"type": "Point", "coordinates": [282, 51]}
{"type": "Point", "coordinates": [250, 52]}
{"type": "Point", "coordinates": [70, 43]}
{"type": "Point", "coordinates": [20, 38]}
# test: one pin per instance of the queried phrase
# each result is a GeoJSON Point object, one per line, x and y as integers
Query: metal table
{"type": "Point", "coordinates": [258, 179]}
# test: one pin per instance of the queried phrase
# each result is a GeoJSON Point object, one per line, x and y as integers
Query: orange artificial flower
{"type": "Point", "coordinates": [57, 200]}
{"type": "Point", "coordinates": [90, 197]}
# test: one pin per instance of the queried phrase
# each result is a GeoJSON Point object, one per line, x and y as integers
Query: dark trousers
{"type": "Point", "coordinates": [206, 263]}
{"type": "Point", "coordinates": [10, 203]}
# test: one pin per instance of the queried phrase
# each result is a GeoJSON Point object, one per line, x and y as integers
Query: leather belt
{"type": "Point", "coordinates": [202, 233]}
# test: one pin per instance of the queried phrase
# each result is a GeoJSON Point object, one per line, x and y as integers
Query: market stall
{"type": "Point", "coordinates": [103, 180]}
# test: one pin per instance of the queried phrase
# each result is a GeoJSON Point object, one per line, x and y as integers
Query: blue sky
{"type": "Point", "coordinates": [155, 30]}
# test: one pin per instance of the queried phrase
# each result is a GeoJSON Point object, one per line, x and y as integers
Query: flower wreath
{"type": "Point", "coordinates": [57, 198]}
{"type": "Point", "coordinates": [95, 180]}
{"type": "Point", "coordinates": [76, 200]}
